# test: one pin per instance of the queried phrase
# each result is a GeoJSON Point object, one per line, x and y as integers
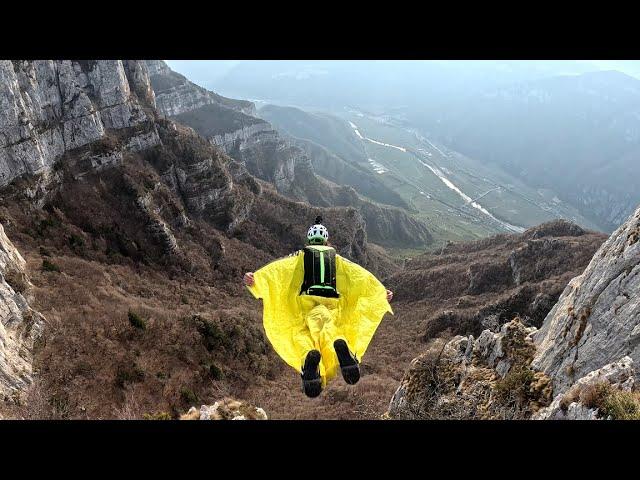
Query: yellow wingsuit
{"type": "Point", "coordinates": [296, 324]}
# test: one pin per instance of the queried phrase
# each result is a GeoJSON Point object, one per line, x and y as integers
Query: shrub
{"type": "Point", "coordinates": [610, 402]}
{"type": "Point", "coordinates": [60, 405]}
{"type": "Point", "coordinates": [157, 416]}
{"type": "Point", "coordinates": [48, 266]}
{"type": "Point", "coordinates": [515, 385]}
{"type": "Point", "coordinates": [137, 321]}
{"type": "Point", "coordinates": [212, 334]}
{"type": "Point", "coordinates": [16, 279]}
{"type": "Point", "coordinates": [622, 405]}
{"type": "Point", "coordinates": [76, 241]}
{"type": "Point", "coordinates": [188, 396]}
{"type": "Point", "coordinates": [215, 372]}
{"type": "Point", "coordinates": [43, 225]}
{"type": "Point", "coordinates": [128, 374]}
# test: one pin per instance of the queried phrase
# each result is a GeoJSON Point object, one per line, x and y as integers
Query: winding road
{"type": "Point", "coordinates": [440, 174]}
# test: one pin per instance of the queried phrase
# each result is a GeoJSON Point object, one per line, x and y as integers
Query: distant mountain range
{"type": "Point", "coordinates": [578, 135]}
{"type": "Point", "coordinates": [567, 126]}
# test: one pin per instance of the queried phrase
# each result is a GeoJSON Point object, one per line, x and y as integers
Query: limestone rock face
{"type": "Point", "coordinates": [50, 107]}
{"type": "Point", "coordinates": [19, 324]}
{"type": "Point", "coordinates": [597, 318]}
{"type": "Point", "coordinates": [226, 409]}
{"type": "Point", "coordinates": [177, 95]}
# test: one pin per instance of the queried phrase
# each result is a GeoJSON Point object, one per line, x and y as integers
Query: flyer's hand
{"type": "Point", "coordinates": [389, 295]}
{"type": "Point", "coordinates": [248, 279]}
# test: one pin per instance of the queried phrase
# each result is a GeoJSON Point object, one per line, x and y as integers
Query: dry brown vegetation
{"type": "Point", "coordinates": [611, 402]}
{"type": "Point", "coordinates": [136, 330]}
{"type": "Point", "coordinates": [203, 338]}
{"type": "Point", "coordinates": [472, 286]}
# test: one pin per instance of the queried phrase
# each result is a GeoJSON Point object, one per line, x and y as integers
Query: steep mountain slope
{"type": "Point", "coordinates": [335, 151]}
{"type": "Point", "coordinates": [135, 249]}
{"type": "Point", "coordinates": [267, 155]}
{"type": "Point", "coordinates": [20, 325]}
{"type": "Point", "coordinates": [577, 135]}
{"type": "Point", "coordinates": [326, 130]}
{"type": "Point", "coordinates": [467, 287]}
{"type": "Point", "coordinates": [582, 363]}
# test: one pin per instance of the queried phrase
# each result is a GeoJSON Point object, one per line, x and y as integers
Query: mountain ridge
{"type": "Point", "coordinates": [268, 156]}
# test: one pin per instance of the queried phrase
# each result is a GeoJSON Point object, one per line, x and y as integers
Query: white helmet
{"type": "Point", "coordinates": [317, 233]}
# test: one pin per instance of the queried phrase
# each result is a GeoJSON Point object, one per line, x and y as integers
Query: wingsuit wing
{"type": "Point", "coordinates": [363, 303]}
{"type": "Point", "coordinates": [360, 309]}
{"type": "Point", "coordinates": [278, 284]}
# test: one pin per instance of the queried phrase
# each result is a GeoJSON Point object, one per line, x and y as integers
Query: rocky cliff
{"type": "Point", "coordinates": [597, 319]}
{"type": "Point", "coordinates": [49, 108]}
{"type": "Point", "coordinates": [176, 94]}
{"type": "Point", "coordinates": [582, 364]}
{"type": "Point", "coordinates": [20, 326]}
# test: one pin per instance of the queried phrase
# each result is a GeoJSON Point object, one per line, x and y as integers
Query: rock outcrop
{"type": "Point", "coordinates": [597, 318]}
{"type": "Point", "coordinates": [51, 107]}
{"type": "Point", "coordinates": [19, 324]}
{"type": "Point", "coordinates": [484, 378]}
{"type": "Point", "coordinates": [177, 95]}
{"type": "Point", "coordinates": [226, 409]}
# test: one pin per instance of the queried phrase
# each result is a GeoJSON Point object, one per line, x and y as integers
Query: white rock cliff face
{"type": "Point", "coordinates": [597, 319]}
{"type": "Point", "coordinates": [49, 107]}
{"type": "Point", "coordinates": [185, 96]}
{"type": "Point", "coordinates": [257, 145]}
{"type": "Point", "coordinates": [19, 324]}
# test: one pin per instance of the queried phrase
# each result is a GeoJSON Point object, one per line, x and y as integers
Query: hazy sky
{"type": "Point", "coordinates": [206, 72]}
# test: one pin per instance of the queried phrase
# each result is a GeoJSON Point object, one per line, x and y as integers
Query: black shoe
{"type": "Point", "coordinates": [311, 381]}
{"type": "Point", "coordinates": [348, 362]}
